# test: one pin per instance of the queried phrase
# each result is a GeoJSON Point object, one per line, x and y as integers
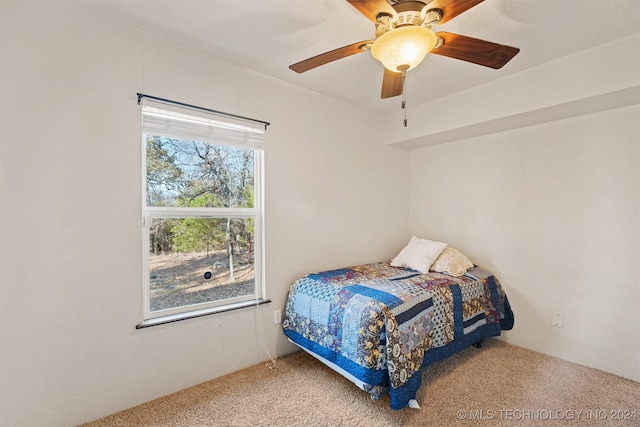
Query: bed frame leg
{"type": "Point", "coordinates": [478, 344]}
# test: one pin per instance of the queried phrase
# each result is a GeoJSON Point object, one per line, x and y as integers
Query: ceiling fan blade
{"type": "Point", "coordinates": [452, 8]}
{"type": "Point", "coordinates": [371, 8]}
{"type": "Point", "coordinates": [332, 55]}
{"type": "Point", "coordinates": [477, 51]}
{"type": "Point", "coordinates": [392, 84]}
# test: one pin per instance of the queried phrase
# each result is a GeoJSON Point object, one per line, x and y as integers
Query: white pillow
{"type": "Point", "coordinates": [419, 254]}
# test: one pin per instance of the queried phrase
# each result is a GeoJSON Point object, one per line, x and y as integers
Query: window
{"type": "Point", "coordinates": [202, 211]}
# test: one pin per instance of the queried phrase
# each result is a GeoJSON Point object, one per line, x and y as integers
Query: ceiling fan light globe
{"type": "Point", "coordinates": [403, 48]}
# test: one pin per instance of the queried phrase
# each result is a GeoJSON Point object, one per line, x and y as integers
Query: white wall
{"type": "Point", "coordinates": [70, 194]}
{"type": "Point", "coordinates": [553, 210]}
{"type": "Point", "coordinates": [541, 184]}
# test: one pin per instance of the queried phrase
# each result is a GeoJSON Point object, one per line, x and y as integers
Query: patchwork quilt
{"type": "Point", "coordinates": [384, 324]}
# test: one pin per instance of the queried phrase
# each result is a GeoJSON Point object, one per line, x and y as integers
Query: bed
{"type": "Point", "coordinates": [381, 324]}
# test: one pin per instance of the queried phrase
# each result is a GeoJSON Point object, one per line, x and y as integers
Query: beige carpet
{"type": "Point", "coordinates": [497, 385]}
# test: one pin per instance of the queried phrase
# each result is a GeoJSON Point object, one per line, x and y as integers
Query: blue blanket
{"type": "Point", "coordinates": [384, 324]}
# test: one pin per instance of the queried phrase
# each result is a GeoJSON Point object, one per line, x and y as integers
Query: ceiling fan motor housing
{"type": "Point", "coordinates": [407, 13]}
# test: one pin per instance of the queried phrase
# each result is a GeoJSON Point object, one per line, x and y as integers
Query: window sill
{"type": "Point", "coordinates": [199, 313]}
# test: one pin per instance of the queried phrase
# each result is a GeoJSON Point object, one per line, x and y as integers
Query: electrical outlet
{"type": "Point", "coordinates": [557, 319]}
{"type": "Point", "coordinates": [277, 316]}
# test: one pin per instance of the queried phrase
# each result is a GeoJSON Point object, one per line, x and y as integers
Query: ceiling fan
{"type": "Point", "coordinates": [404, 37]}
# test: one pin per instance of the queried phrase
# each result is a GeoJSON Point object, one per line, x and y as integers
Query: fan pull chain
{"type": "Point", "coordinates": [404, 96]}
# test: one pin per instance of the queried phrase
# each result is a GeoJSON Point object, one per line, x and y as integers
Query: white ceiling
{"type": "Point", "coordinates": [270, 35]}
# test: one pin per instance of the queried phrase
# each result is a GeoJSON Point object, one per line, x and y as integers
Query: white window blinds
{"type": "Point", "coordinates": [192, 124]}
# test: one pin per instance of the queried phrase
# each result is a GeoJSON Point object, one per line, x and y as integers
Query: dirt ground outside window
{"type": "Point", "coordinates": [178, 280]}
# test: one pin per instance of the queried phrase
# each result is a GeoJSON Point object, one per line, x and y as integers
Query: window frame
{"type": "Point", "coordinates": [151, 318]}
